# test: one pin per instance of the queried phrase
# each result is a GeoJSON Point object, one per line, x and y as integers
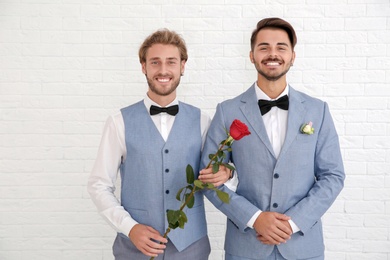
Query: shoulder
{"type": "Point", "coordinates": [246, 96]}
{"type": "Point", "coordinates": [188, 106]}
{"type": "Point", "coordinates": [132, 106]}
{"type": "Point", "coordinates": [305, 98]}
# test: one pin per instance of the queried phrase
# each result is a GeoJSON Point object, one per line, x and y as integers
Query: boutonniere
{"type": "Point", "coordinates": [307, 128]}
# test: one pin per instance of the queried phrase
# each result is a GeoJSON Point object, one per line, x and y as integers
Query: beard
{"type": "Point", "coordinates": [272, 77]}
{"type": "Point", "coordinates": [162, 91]}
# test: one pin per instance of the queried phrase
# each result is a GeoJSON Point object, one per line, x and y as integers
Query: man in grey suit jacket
{"type": "Point", "coordinates": [290, 168]}
{"type": "Point", "coordinates": [150, 143]}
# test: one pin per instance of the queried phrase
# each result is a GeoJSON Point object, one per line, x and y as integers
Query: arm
{"type": "Point", "coordinates": [101, 182]}
{"type": "Point", "coordinates": [329, 174]}
{"type": "Point", "coordinates": [224, 175]}
{"type": "Point", "coordinates": [101, 187]}
{"type": "Point", "coordinates": [239, 210]}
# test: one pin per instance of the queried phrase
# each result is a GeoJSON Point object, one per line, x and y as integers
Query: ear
{"type": "Point", "coordinates": [143, 67]}
{"type": "Point", "coordinates": [251, 56]}
{"type": "Point", "coordinates": [182, 66]}
{"type": "Point", "coordinates": [293, 58]}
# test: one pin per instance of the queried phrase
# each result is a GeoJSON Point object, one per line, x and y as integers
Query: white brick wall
{"type": "Point", "coordinates": [66, 65]}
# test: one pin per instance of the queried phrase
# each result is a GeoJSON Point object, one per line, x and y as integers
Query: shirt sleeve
{"type": "Point", "coordinates": [205, 122]}
{"type": "Point", "coordinates": [102, 180]}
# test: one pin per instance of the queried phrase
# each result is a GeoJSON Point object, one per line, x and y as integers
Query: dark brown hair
{"type": "Point", "coordinates": [275, 23]}
{"type": "Point", "coordinates": [163, 36]}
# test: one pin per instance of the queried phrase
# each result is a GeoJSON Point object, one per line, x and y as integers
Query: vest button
{"type": "Point", "coordinates": [166, 170]}
{"type": "Point", "coordinates": [166, 151]}
{"type": "Point", "coordinates": [276, 175]}
{"type": "Point", "coordinates": [167, 191]}
{"type": "Point", "coordinates": [275, 205]}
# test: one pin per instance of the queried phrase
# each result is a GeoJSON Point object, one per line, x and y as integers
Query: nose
{"type": "Point", "coordinates": [272, 52]}
{"type": "Point", "coordinates": [163, 68]}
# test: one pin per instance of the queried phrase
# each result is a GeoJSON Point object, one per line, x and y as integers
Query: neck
{"type": "Point", "coordinates": [272, 88]}
{"type": "Point", "coordinates": [163, 101]}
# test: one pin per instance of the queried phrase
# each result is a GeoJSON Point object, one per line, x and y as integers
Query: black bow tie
{"type": "Point", "coordinates": [172, 110]}
{"type": "Point", "coordinates": [266, 105]}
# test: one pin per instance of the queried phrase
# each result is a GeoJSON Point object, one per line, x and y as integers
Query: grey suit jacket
{"type": "Point", "coordinates": [302, 183]}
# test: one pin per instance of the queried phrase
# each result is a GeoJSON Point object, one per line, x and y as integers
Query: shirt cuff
{"type": "Point", "coordinates": [232, 183]}
{"type": "Point", "coordinates": [127, 226]}
{"type": "Point", "coordinates": [294, 227]}
{"type": "Point", "coordinates": [251, 222]}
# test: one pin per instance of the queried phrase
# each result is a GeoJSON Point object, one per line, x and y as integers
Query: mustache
{"type": "Point", "coordinates": [272, 60]}
{"type": "Point", "coordinates": [163, 75]}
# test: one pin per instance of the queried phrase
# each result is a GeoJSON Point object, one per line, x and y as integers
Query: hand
{"type": "Point", "coordinates": [263, 240]}
{"type": "Point", "coordinates": [272, 228]}
{"type": "Point", "coordinates": [142, 236]}
{"type": "Point", "coordinates": [218, 178]}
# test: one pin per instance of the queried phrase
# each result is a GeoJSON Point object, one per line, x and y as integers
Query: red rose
{"type": "Point", "coordinates": [238, 130]}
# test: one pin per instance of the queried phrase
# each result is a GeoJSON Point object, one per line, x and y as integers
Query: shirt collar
{"type": "Point", "coordinates": [261, 95]}
{"type": "Point", "coordinates": [148, 102]}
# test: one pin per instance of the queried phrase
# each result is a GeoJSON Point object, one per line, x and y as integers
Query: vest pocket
{"type": "Point", "coordinates": [139, 215]}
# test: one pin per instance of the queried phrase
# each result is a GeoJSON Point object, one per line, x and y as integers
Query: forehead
{"type": "Point", "coordinates": [163, 51]}
{"type": "Point", "coordinates": [272, 36]}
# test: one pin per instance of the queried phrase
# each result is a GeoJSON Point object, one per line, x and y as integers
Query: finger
{"type": "Point", "coordinates": [206, 176]}
{"type": "Point", "coordinates": [286, 230]}
{"type": "Point", "coordinates": [215, 180]}
{"type": "Point", "coordinates": [159, 239]}
{"type": "Point", "coordinates": [271, 239]}
{"type": "Point", "coordinates": [280, 236]}
{"type": "Point", "coordinates": [206, 171]}
{"type": "Point", "coordinates": [281, 216]}
{"type": "Point", "coordinates": [264, 241]}
{"type": "Point", "coordinates": [155, 248]}
{"type": "Point", "coordinates": [285, 227]}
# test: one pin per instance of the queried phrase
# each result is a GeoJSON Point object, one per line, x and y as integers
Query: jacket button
{"type": "Point", "coordinates": [275, 205]}
{"type": "Point", "coordinates": [276, 175]}
{"type": "Point", "coordinates": [166, 151]}
{"type": "Point", "coordinates": [167, 191]}
{"type": "Point", "coordinates": [166, 170]}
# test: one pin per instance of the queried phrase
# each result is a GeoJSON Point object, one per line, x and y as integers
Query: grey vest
{"type": "Point", "coordinates": [155, 170]}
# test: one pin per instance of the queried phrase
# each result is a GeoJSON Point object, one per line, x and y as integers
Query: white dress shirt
{"type": "Point", "coordinates": [275, 122]}
{"type": "Point", "coordinates": [112, 152]}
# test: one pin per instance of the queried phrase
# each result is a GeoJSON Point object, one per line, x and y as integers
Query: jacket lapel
{"type": "Point", "coordinates": [296, 115]}
{"type": "Point", "coordinates": [251, 111]}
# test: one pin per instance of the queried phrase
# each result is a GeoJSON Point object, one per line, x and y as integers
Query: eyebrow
{"type": "Point", "coordinates": [278, 44]}
{"type": "Point", "coordinates": [158, 58]}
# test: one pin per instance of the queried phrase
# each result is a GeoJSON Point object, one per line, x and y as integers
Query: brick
{"type": "Point", "coordinates": [65, 66]}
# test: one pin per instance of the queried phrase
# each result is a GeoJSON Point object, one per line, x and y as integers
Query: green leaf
{"type": "Point", "coordinates": [173, 215]}
{"type": "Point", "coordinates": [173, 218]}
{"type": "Point", "coordinates": [197, 189]}
{"type": "Point", "coordinates": [198, 184]}
{"type": "Point", "coordinates": [182, 219]}
{"type": "Point", "coordinates": [190, 174]}
{"type": "Point", "coordinates": [191, 201]}
{"type": "Point", "coordinates": [220, 153]}
{"type": "Point", "coordinates": [215, 167]}
{"type": "Point", "coordinates": [178, 193]}
{"type": "Point", "coordinates": [210, 186]}
{"type": "Point", "coordinates": [229, 166]}
{"type": "Point", "coordinates": [211, 156]}
{"type": "Point", "coordinates": [174, 226]}
{"type": "Point", "coordinates": [223, 196]}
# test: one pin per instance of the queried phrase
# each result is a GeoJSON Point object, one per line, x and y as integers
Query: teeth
{"type": "Point", "coordinates": [272, 63]}
{"type": "Point", "coordinates": [163, 80]}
